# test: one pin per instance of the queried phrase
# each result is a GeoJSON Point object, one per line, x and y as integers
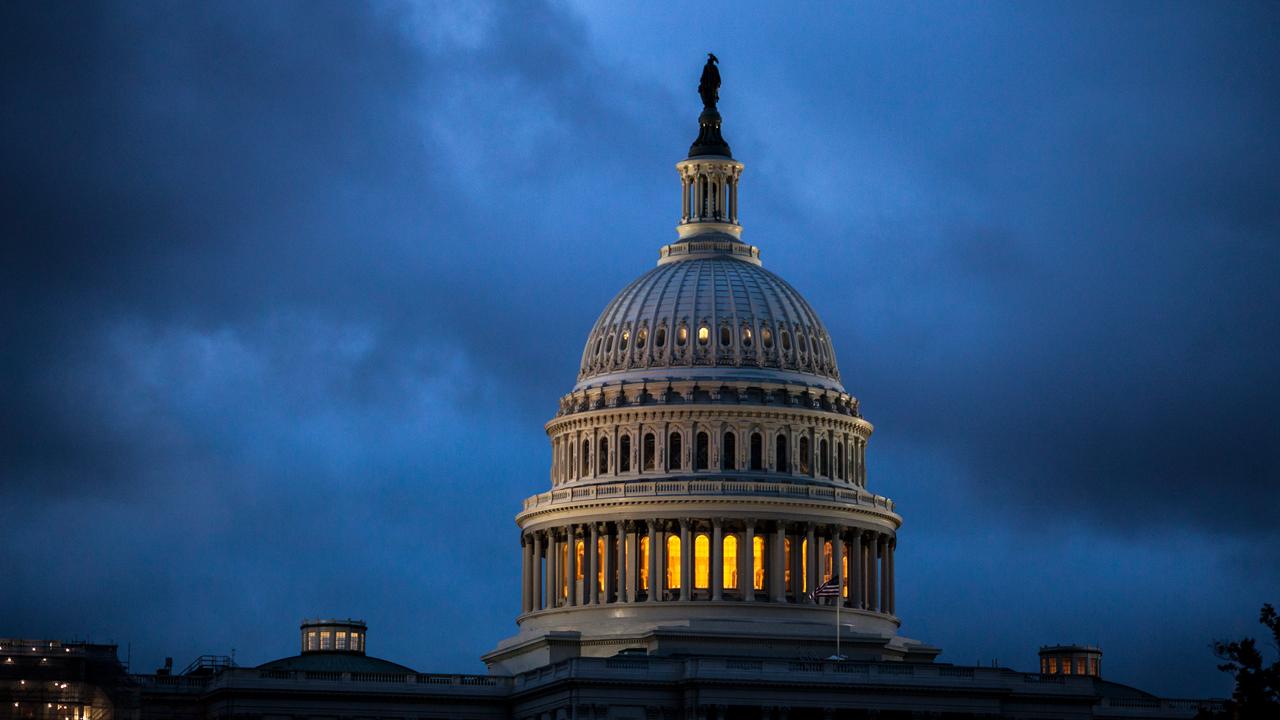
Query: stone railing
{"type": "Point", "coordinates": [248, 677]}
{"type": "Point", "coordinates": [739, 488]}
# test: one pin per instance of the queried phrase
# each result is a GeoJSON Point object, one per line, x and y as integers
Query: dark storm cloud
{"type": "Point", "coordinates": [289, 290]}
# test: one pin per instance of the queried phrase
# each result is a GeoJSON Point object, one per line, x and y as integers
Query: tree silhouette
{"type": "Point", "coordinates": [1257, 692]}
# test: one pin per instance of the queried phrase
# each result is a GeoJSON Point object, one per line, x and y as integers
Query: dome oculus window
{"type": "Point", "coordinates": [766, 338]}
{"type": "Point", "coordinates": [746, 336]}
{"type": "Point", "coordinates": [642, 337]}
{"type": "Point", "coordinates": [704, 335]}
{"type": "Point", "coordinates": [682, 335]}
{"type": "Point", "coordinates": [786, 341]}
{"type": "Point", "coordinates": [626, 336]}
{"type": "Point", "coordinates": [660, 337]}
{"type": "Point", "coordinates": [804, 348]}
{"type": "Point", "coordinates": [608, 344]}
{"type": "Point", "coordinates": [726, 336]}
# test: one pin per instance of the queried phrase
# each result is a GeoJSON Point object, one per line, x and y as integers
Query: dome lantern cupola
{"type": "Point", "coordinates": [709, 176]}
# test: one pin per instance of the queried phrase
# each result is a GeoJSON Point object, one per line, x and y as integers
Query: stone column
{"type": "Point", "coordinates": [632, 551]}
{"type": "Point", "coordinates": [571, 572]}
{"type": "Point", "coordinates": [608, 563]}
{"type": "Point", "coordinates": [777, 564]}
{"type": "Point", "coordinates": [592, 565]}
{"type": "Point", "coordinates": [837, 559]}
{"type": "Point", "coordinates": [526, 570]}
{"type": "Point", "coordinates": [553, 568]}
{"type": "Point", "coordinates": [621, 564]}
{"type": "Point", "coordinates": [873, 573]}
{"type": "Point", "coordinates": [686, 557]}
{"type": "Point", "coordinates": [812, 558]}
{"type": "Point", "coordinates": [537, 581]}
{"type": "Point", "coordinates": [855, 570]}
{"type": "Point", "coordinates": [893, 586]}
{"type": "Point", "coordinates": [796, 567]}
{"type": "Point", "coordinates": [747, 562]}
{"type": "Point", "coordinates": [717, 560]}
{"type": "Point", "coordinates": [657, 553]}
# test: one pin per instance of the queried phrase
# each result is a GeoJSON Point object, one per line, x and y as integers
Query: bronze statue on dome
{"type": "Point", "coordinates": [709, 84]}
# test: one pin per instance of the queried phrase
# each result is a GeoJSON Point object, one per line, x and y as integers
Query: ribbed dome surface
{"type": "Point", "coordinates": [708, 311]}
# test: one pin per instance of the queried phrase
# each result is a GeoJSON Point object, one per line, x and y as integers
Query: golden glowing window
{"type": "Point", "coordinates": [564, 570]}
{"type": "Point", "coordinates": [673, 562]}
{"type": "Point", "coordinates": [844, 575]}
{"type": "Point", "coordinates": [1066, 666]}
{"type": "Point", "coordinates": [704, 335]}
{"type": "Point", "coordinates": [641, 337]}
{"type": "Point", "coordinates": [766, 337]}
{"type": "Point", "coordinates": [1079, 666]}
{"type": "Point", "coordinates": [326, 640]}
{"type": "Point", "coordinates": [701, 562]}
{"type": "Point", "coordinates": [356, 643]}
{"type": "Point", "coordinates": [626, 335]}
{"type": "Point", "coordinates": [757, 553]}
{"type": "Point", "coordinates": [598, 560]}
{"type": "Point", "coordinates": [1093, 666]}
{"type": "Point", "coordinates": [804, 565]}
{"type": "Point", "coordinates": [581, 550]}
{"type": "Point", "coordinates": [682, 335]}
{"type": "Point", "coordinates": [313, 640]}
{"type": "Point", "coordinates": [730, 553]}
{"type": "Point", "coordinates": [827, 561]}
{"type": "Point", "coordinates": [644, 563]}
{"type": "Point", "coordinates": [342, 640]}
{"type": "Point", "coordinates": [786, 565]}
{"type": "Point", "coordinates": [1053, 665]}
{"type": "Point", "coordinates": [746, 336]}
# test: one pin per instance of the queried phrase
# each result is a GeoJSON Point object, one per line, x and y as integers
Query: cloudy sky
{"type": "Point", "coordinates": [288, 290]}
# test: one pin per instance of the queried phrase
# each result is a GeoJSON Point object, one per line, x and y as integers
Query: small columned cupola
{"type": "Point", "coordinates": [709, 176]}
{"type": "Point", "coordinates": [331, 635]}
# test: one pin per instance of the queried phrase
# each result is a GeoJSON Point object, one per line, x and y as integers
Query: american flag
{"type": "Point", "coordinates": [830, 588]}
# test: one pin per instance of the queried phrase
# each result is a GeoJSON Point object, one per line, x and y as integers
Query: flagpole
{"type": "Point", "coordinates": [839, 602]}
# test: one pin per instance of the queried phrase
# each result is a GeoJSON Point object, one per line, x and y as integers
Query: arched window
{"type": "Point", "coordinates": [729, 452]}
{"type": "Point", "coordinates": [644, 563]}
{"type": "Point", "coordinates": [580, 550]}
{"type": "Point", "coordinates": [804, 347]}
{"type": "Point", "coordinates": [757, 562]}
{"type": "Point", "coordinates": [704, 335]}
{"type": "Point", "coordinates": [828, 564]}
{"type": "Point", "coordinates": [730, 554]}
{"type": "Point", "coordinates": [673, 562]}
{"type": "Point", "coordinates": [626, 335]}
{"type": "Point", "coordinates": [786, 341]}
{"type": "Point", "coordinates": [757, 452]}
{"type": "Point", "coordinates": [824, 461]}
{"type": "Point", "coordinates": [780, 449]}
{"type": "Point", "coordinates": [673, 451]}
{"type": "Point", "coordinates": [766, 338]}
{"type": "Point", "coordinates": [804, 455]}
{"type": "Point", "coordinates": [701, 562]}
{"type": "Point", "coordinates": [701, 451]}
{"type": "Point", "coordinates": [624, 454]}
{"type": "Point", "coordinates": [746, 336]}
{"type": "Point", "coordinates": [726, 336]}
{"type": "Point", "coordinates": [586, 458]}
{"type": "Point", "coordinates": [682, 335]}
{"type": "Point", "coordinates": [641, 338]}
{"type": "Point", "coordinates": [660, 337]}
{"type": "Point", "coordinates": [649, 452]}
{"type": "Point", "coordinates": [602, 457]}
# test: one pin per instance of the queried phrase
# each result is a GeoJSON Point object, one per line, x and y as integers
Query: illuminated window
{"type": "Point", "coordinates": [624, 454]}
{"type": "Point", "coordinates": [828, 562]}
{"type": "Point", "coordinates": [1093, 666]}
{"type": "Point", "coordinates": [701, 562]}
{"type": "Point", "coordinates": [730, 554]}
{"type": "Point", "coordinates": [726, 336]}
{"type": "Point", "coordinates": [356, 642]}
{"type": "Point", "coordinates": [844, 575]}
{"type": "Point", "coordinates": [1044, 666]}
{"type": "Point", "coordinates": [766, 337]}
{"type": "Point", "coordinates": [673, 562]}
{"type": "Point", "coordinates": [626, 336]}
{"type": "Point", "coordinates": [1053, 666]}
{"type": "Point", "coordinates": [804, 455]}
{"type": "Point", "coordinates": [701, 451]}
{"type": "Point", "coordinates": [673, 451]}
{"type": "Point", "coordinates": [804, 565]}
{"type": "Point", "coordinates": [326, 640]}
{"type": "Point", "coordinates": [649, 452]}
{"type": "Point", "coordinates": [599, 564]}
{"type": "Point", "coordinates": [602, 457]}
{"type": "Point", "coordinates": [342, 640]}
{"type": "Point", "coordinates": [1079, 666]}
{"type": "Point", "coordinates": [780, 450]}
{"type": "Point", "coordinates": [729, 452]}
{"type": "Point", "coordinates": [586, 457]}
{"type": "Point", "coordinates": [786, 565]}
{"type": "Point", "coordinates": [704, 334]}
{"type": "Point", "coordinates": [313, 640]}
{"type": "Point", "coordinates": [1066, 666]}
{"type": "Point", "coordinates": [642, 337]}
{"type": "Point", "coordinates": [581, 551]}
{"type": "Point", "coordinates": [757, 452]}
{"type": "Point", "coordinates": [757, 554]}
{"type": "Point", "coordinates": [682, 335]}
{"type": "Point", "coordinates": [564, 570]}
{"type": "Point", "coordinates": [644, 563]}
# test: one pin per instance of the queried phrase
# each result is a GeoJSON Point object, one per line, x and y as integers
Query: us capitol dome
{"type": "Point", "coordinates": [708, 470]}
